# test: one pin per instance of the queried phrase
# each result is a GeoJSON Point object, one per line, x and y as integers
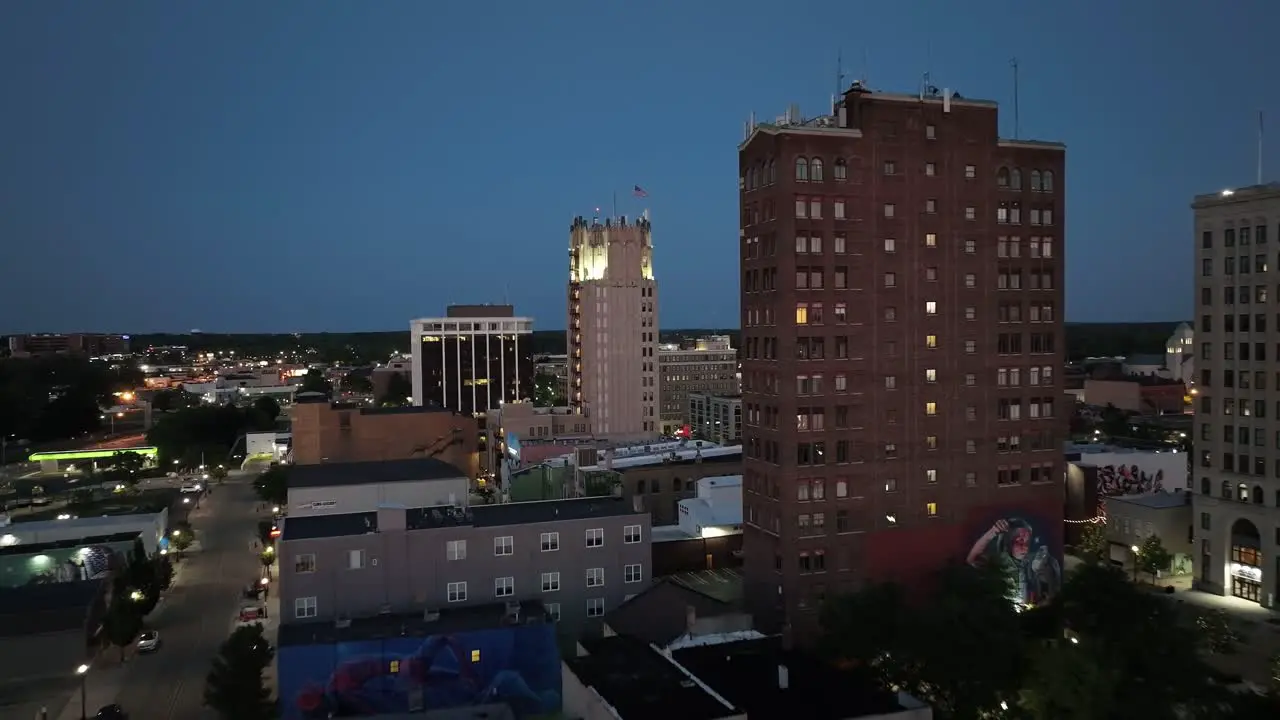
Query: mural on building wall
{"type": "Point", "coordinates": [1021, 544]}
{"type": "Point", "coordinates": [57, 566]}
{"type": "Point", "coordinates": [518, 666]}
{"type": "Point", "coordinates": [1116, 480]}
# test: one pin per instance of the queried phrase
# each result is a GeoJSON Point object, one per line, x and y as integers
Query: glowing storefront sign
{"type": "Point", "coordinates": [1248, 572]}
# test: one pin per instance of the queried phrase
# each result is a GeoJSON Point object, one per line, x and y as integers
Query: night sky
{"type": "Point", "coordinates": [254, 166]}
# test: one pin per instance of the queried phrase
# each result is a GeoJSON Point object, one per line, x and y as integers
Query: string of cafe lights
{"type": "Point", "coordinates": [1094, 520]}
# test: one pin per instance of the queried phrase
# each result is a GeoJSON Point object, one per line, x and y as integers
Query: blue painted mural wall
{"type": "Point", "coordinates": [518, 666]}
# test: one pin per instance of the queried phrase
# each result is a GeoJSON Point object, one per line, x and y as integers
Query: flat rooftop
{"type": "Point", "coordinates": [641, 684]}
{"type": "Point", "coordinates": [686, 456]}
{"type": "Point", "coordinates": [47, 608]}
{"type": "Point", "coordinates": [372, 472]}
{"type": "Point", "coordinates": [43, 547]}
{"type": "Point", "coordinates": [441, 516]}
{"type": "Point", "coordinates": [416, 624]}
{"type": "Point", "coordinates": [746, 673]}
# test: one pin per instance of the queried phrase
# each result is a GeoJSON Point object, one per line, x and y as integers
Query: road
{"type": "Point", "coordinates": [170, 682]}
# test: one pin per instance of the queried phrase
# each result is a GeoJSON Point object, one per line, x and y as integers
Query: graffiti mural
{"type": "Point", "coordinates": [515, 666]}
{"type": "Point", "coordinates": [58, 566]}
{"type": "Point", "coordinates": [1116, 480]}
{"type": "Point", "coordinates": [1022, 546]}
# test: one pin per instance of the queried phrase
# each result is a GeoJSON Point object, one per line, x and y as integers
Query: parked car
{"type": "Point", "coordinates": [252, 613]}
{"type": "Point", "coordinates": [112, 712]}
{"type": "Point", "coordinates": [148, 641]}
{"type": "Point", "coordinates": [191, 487]}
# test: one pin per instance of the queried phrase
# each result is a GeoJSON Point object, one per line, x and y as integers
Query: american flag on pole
{"type": "Point", "coordinates": [639, 192]}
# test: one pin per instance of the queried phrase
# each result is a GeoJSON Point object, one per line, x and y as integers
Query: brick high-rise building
{"type": "Point", "coordinates": [612, 334]}
{"type": "Point", "coordinates": [902, 271]}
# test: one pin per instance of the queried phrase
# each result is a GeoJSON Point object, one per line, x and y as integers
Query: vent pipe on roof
{"type": "Point", "coordinates": [784, 677]}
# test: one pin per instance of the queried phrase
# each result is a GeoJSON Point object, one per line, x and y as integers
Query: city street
{"type": "Point", "coordinates": [193, 620]}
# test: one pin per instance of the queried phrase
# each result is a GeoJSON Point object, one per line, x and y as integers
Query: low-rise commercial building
{"type": "Point", "coordinates": [46, 630]}
{"type": "Point", "coordinates": [555, 367]}
{"type": "Point", "coordinates": [1137, 393]}
{"type": "Point", "coordinates": [621, 678]}
{"type": "Point", "coordinates": [360, 487]}
{"type": "Point", "coordinates": [717, 418]}
{"type": "Point", "coordinates": [1131, 519]}
{"type": "Point", "coordinates": [580, 557]}
{"type": "Point", "coordinates": [455, 663]}
{"type": "Point", "coordinates": [151, 527]}
{"type": "Point", "coordinates": [530, 426]}
{"type": "Point", "coordinates": [325, 432]}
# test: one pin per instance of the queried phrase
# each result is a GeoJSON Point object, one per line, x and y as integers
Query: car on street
{"type": "Point", "coordinates": [148, 641]}
{"type": "Point", "coordinates": [112, 712]}
{"type": "Point", "coordinates": [251, 614]}
{"type": "Point", "coordinates": [191, 487]}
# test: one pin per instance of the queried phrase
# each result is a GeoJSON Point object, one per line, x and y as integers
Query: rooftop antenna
{"type": "Point", "coordinates": [1017, 121]}
{"type": "Point", "coordinates": [1259, 147]}
{"type": "Point", "coordinates": [839, 71]}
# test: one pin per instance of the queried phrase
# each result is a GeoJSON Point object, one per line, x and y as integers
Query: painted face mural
{"type": "Point", "coordinates": [1016, 544]}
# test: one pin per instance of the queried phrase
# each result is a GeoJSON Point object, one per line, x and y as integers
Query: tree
{"type": "Point", "coordinates": [267, 559]}
{"type": "Point", "coordinates": [173, 399]}
{"type": "Point", "coordinates": [181, 536]}
{"type": "Point", "coordinates": [357, 382]}
{"type": "Point", "coordinates": [263, 413]}
{"type": "Point", "coordinates": [1215, 633]}
{"type": "Point", "coordinates": [1137, 637]}
{"type": "Point", "coordinates": [1115, 422]}
{"type": "Point", "coordinates": [141, 577]}
{"type": "Point", "coordinates": [164, 572]}
{"type": "Point", "coordinates": [234, 687]}
{"type": "Point", "coordinates": [1094, 543]}
{"type": "Point", "coordinates": [122, 621]}
{"type": "Point", "coordinates": [314, 381]}
{"type": "Point", "coordinates": [399, 392]}
{"type": "Point", "coordinates": [929, 648]}
{"type": "Point", "coordinates": [1069, 681]}
{"type": "Point", "coordinates": [1152, 556]}
{"type": "Point", "coordinates": [272, 486]}
{"type": "Point", "coordinates": [546, 391]}
{"type": "Point", "coordinates": [126, 468]}
{"type": "Point", "coordinates": [219, 473]}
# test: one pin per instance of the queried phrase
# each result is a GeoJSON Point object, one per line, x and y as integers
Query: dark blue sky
{"type": "Point", "coordinates": [250, 166]}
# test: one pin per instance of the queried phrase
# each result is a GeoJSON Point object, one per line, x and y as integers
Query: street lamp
{"type": "Point", "coordinates": [1134, 549]}
{"type": "Point", "coordinates": [83, 673]}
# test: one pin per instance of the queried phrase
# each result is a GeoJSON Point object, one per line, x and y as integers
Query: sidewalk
{"type": "Point", "coordinates": [106, 673]}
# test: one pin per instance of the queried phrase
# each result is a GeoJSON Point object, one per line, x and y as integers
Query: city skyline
{"type": "Point", "coordinates": [255, 182]}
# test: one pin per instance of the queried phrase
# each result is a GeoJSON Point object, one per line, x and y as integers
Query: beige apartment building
{"type": "Point", "coordinates": [710, 367]}
{"type": "Point", "coordinates": [1236, 473]}
{"type": "Point", "coordinates": [612, 332]}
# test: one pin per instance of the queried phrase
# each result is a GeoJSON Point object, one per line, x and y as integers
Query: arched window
{"type": "Point", "coordinates": [802, 170]}
{"type": "Point", "coordinates": [1015, 179]}
{"type": "Point", "coordinates": [1258, 497]}
{"type": "Point", "coordinates": [1035, 181]}
{"type": "Point", "coordinates": [1002, 177]}
{"type": "Point", "coordinates": [1226, 490]}
{"type": "Point", "coordinates": [1204, 486]}
{"type": "Point", "coordinates": [756, 172]}
{"type": "Point", "coordinates": [840, 170]}
{"type": "Point", "coordinates": [1046, 181]}
{"type": "Point", "coordinates": [1242, 492]}
{"type": "Point", "coordinates": [815, 170]}
{"type": "Point", "coordinates": [772, 174]}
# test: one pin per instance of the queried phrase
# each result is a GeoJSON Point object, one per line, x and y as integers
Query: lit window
{"type": "Point", "coordinates": [931, 240]}
{"type": "Point", "coordinates": [802, 313]}
{"type": "Point", "coordinates": [931, 341]}
{"type": "Point", "coordinates": [395, 666]}
{"type": "Point", "coordinates": [890, 245]}
{"type": "Point", "coordinates": [931, 475]}
{"type": "Point", "coordinates": [931, 509]}
{"type": "Point", "coordinates": [475, 656]}
{"type": "Point", "coordinates": [970, 213]}
{"type": "Point", "coordinates": [890, 210]}
{"type": "Point", "coordinates": [930, 169]}
{"type": "Point", "coordinates": [970, 172]}
{"type": "Point", "coordinates": [930, 308]}
{"type": "Point", "coordinates": [931, 375]}
{"type": "Point", "coordinates": [931, 408]}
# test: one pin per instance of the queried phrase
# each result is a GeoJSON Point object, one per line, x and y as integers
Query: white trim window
{"type": "Point", "coordinates": [550, 541]}
{"type": "Point", "coordinates": [595, 577]}
{"type": "Point", "coordinates": [504, 587]}
{"type": "Point", "coordinates": [503, 545]}
{"type": "Point", "coordinates": [633, 573]}
{"type": "Point", "coordinates": [304, 607]}
{"type": "Point", "coordinates": [457, 592]}
{"type": "Point", "coordinates": [595, 607]}
{"type": "Point", "coordinates": [456, 550]}
{"type": "Point", "coordinates": [595, 537]}
{"type": "Point", "coordinates": [550, 581]}
{"type": "Point", "coordinates": [632, 534]}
